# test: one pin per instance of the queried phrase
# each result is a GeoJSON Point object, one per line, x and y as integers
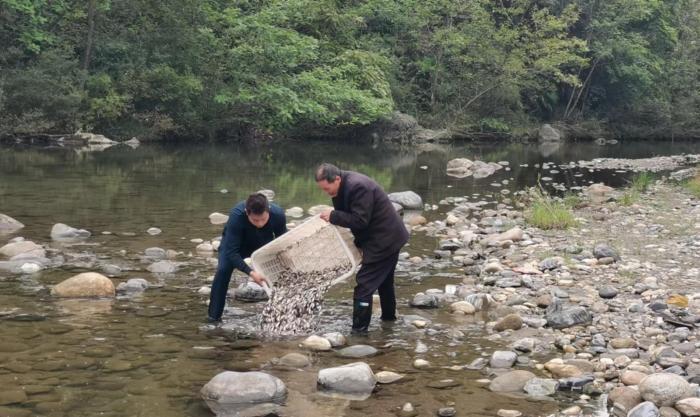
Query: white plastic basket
{"type": "Point", "coordinates": [314, 245]}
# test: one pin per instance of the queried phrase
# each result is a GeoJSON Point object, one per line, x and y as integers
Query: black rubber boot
{"type": "Point", "coordinates": [361, 316]}
{"type": "Point", "coordinates": [388, 303]}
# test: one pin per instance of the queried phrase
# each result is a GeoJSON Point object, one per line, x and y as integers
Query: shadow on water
{"type": "Point", "coordinates": [151, 354]}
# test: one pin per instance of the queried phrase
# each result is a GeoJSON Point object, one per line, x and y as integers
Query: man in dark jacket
{"type": "Point", "coordinates": [362, 205]}
{"type": "Point", "coordinates": [251, 224]}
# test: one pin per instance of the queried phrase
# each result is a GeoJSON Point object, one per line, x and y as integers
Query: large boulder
{"type": "Point", "coordinates": [485, 169]}
{"type": "Point", "coordinates": [463, 167]}
{"type": "Point", "coordinates": [403, 128]}
{"type": "Point", "coordinates": [8, 224]}
{"type": "Point", "coordinates": [65, 233]}
{"type": "Point", "coordinates": [548, 134]}
{"type": "Point", "coordinates": [513, 381]}
{"type": "Point", "coordinates": [87, 284]}
{"type": "Point", "coordinates": [354, 378]}
{"type": "Point", "coordinates": [407, 199]}
{"type": "Point", "coordinates": [459, 167]}
{"type": "Point", "coordinates": [229, 392]}
{"type": "Point", "coordinates": [94, 138]}
{"type": "Point", "coordinates": [664, 389]}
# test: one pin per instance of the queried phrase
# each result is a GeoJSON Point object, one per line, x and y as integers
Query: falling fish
{"type": "Point", "coordinates": [295, 305]}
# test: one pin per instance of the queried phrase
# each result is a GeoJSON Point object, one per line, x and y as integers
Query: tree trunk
{"type": "Point", "coordinates": [90, 38]}
{"type": "Point", "coordinates": [583, 87]}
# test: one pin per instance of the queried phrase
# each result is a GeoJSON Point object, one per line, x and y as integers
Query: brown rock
{"type": "Point", "coordinates": [509, 322]}
{"type": "Point", "coordinates": [15, 248]}
{"type": "Point", "coordinates": [87, 284]}
{"type": "Point", "coordinates": [632, 377]}
{"type": "Point", "coordinates": [689, 407]}
{"type": "Point", "coordinates": [624, 399]}
{"type": "Point", "coordinates": [561, 370]}
{"type": "Point", "coordinates": [623, 343]}
{"type": "Point", "coordinates": [543, 301]}
{"type": "Point", "coordinates": [417, 220]}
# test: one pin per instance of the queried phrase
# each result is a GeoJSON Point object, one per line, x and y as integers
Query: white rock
{"type": "Point", "coordinates": [218, 218]}
{"type": "Point", "coordinates": [228, 389]}
{"type": "Point", "coordinates": [294, 212]}
{"type": "Point", "coordinates": [8, 224]}
{"type": "Point", "coordinates": [353, 378]}
{"type": "Point", "coordinates": [63, 232]}
{"type": "Point", "coordinates": [421, 364]}
{"type": "Point", "coordinates": [464, 307]}
{"type": "Point", "coordinates": [316, 343]}
{"type": "Point", "coordinates": [387, 377]}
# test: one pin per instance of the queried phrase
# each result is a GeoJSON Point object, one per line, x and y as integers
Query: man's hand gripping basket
{"type": "Point", "coordinates": [314, 245]}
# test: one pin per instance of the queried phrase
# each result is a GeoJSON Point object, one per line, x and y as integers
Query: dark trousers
{"type": "Point", "coordinates": [378, 276]}
{"type": "Point", "coordinates": [219, 288]}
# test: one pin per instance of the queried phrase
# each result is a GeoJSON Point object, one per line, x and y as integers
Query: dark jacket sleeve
{"type": "Point", "coordinates": [281, 226]}
{"type": "Point", "coordinates": [358, 217]}
{"type": "Point", "coordinates": [232, 241]}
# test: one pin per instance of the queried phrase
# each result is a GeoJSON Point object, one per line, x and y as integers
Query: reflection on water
{"type": "Point", "coordinates": [150, 355]}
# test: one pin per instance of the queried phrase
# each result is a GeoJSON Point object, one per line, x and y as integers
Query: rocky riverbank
{"type": "Point", "coordinates": [607, 309]}
{"type": "Point", "coordinates": [612, 301]}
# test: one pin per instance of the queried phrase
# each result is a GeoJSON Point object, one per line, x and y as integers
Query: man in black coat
{"type": "Point", "coordinates": [251, 225]}
{"type": "Point", "coordinates": [361, 205]}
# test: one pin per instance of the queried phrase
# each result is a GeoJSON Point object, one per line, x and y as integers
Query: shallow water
{"type": "Point", "coordinates": [150, 355]}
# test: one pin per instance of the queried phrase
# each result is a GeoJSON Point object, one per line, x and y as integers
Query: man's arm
{"type": "Point", "coordinates": [233, 242]}
{"type": "Point", "coordinates": [360, 214]}
{"type": "Point", "coordinates": [280, 227]}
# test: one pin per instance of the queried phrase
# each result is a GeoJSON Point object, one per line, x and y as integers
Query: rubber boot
{"type": "Point", "coordinates": [388, 303]}
{"type": "Point", "coordinates": [361, 316]}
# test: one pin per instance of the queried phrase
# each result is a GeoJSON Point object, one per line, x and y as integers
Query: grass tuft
{"type": "Point", "coordinates": [693, 185]}
{"type": "Point", "coordinates": [548, 213]}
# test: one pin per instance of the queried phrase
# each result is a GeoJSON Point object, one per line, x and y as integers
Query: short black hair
{"type": "Point", "coordinates": [256, 204]}
{"type": "Point", "coordinates": [327, 172]}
